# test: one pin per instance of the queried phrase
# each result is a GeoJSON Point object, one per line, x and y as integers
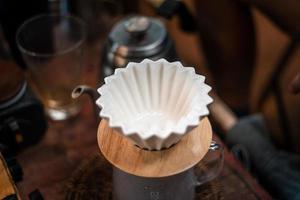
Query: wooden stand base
{"type": "Point", "coordinates": [123, 154]}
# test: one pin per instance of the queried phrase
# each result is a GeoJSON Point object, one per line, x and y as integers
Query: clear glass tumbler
{"type": "Point", "coordinates": [52, 48]}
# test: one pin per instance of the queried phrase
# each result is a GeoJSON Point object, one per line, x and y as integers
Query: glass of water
{"type": "Point", "coordinates": [52, 48]}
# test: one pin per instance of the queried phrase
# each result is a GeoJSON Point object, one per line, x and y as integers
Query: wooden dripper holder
{"type": "Point", "coordinates": [164, 174]}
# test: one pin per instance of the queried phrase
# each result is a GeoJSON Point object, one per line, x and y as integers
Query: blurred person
{"type": "Point", "coordinates": [227, 31]}
{"type": "Point", "coordinates": [277, 170]}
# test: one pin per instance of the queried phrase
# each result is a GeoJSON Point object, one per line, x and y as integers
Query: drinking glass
{"type": "Point", "coordinates": [52, 48]}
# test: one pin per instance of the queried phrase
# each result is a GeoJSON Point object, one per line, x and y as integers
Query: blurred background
{"type": "Point", "coordinates": [247, 49]}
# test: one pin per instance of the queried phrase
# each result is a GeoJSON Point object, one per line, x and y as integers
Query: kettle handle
{"type": "Point", "coordinates": [213, 164]}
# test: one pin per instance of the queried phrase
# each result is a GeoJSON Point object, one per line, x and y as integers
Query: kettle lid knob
{"type": "Point", "coordinates": [137, 25]}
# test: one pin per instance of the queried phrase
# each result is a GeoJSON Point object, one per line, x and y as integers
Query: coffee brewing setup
{"type": "Point", "coordinates": [154, 128]}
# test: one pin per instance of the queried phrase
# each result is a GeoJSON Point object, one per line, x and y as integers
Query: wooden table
{"type": "Point", "coordinates": [50, 164]}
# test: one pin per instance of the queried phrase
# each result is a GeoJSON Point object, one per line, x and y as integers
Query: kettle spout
{"type": "Point", "coordinates": [84, 89]}
{"type": "Point", "coordinates": [92, 93]}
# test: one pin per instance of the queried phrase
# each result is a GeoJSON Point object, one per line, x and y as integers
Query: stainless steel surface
{"type": "Point", "coordinates": [137, 24]}
{"type": "Point", "coordinates": [80, 90]}
{"type": "Point", "coordinates": [133, 39]}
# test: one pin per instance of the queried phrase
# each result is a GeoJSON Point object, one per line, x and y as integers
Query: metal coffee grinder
{"type": "Point", "coordinates": [133, 39]}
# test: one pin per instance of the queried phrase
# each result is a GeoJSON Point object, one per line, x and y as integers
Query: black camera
{"type": "Point", "coordinates": [22, 121]}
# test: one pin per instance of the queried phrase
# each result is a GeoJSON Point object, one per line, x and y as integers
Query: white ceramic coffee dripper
{"type": "Point", "coordinates": [155, 104]}
{"type": "Point", "coordinates": [154, 131]}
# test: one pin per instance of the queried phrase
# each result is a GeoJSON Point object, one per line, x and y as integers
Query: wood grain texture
{"type": "Point", "coordinates": [7, 186]}
{"type": "Point", "coordinates": [122, 153]}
